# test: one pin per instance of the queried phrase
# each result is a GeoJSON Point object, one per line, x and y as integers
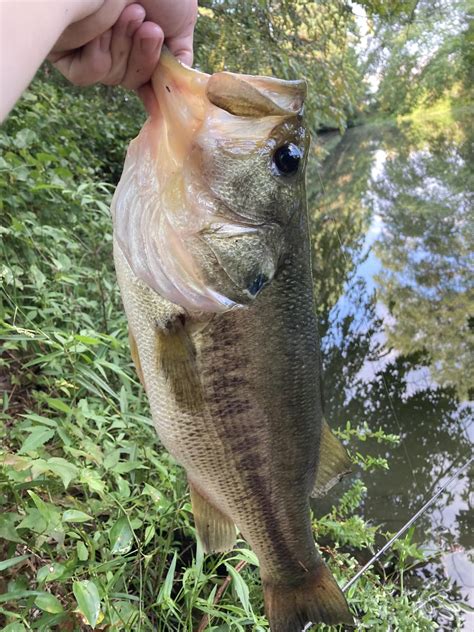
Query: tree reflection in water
{"type": "Point", "coordinates": [392, 236]}
{"type": "Point", "coordinates": [424, 197]}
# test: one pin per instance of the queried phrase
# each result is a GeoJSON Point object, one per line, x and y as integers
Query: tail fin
{"type": "Point", "coordinates": [317, 599]}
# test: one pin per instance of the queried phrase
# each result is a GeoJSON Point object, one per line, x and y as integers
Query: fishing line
{"type": "Point", "coordinates": [408, 524]}
{"type": "Point", "coordinates": [392, 407]}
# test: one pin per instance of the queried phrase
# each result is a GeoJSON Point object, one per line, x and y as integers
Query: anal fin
{"type": "Point", "coordinates": [334, 462]}
{"type": "Point", "coordinates": [215, 530]}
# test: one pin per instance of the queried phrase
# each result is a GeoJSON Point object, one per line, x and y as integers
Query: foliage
{"type": "Point", "coordinates": [95, 523]}
{"type": "Point", "coordinates": [288, 39]}
{"type": "Point", "coordinates": [422, 52]}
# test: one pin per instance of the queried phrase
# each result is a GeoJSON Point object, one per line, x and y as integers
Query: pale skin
{"type": "Point", "coordinates": [114, 42]}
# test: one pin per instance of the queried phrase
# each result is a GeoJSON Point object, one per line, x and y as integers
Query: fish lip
{"type": "Point", "coordinates": [219, 221]}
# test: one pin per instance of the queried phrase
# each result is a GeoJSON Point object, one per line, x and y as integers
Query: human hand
{"type": "Point", "coordinates": [121, 42]}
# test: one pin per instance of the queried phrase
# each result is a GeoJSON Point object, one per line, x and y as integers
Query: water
{"type": "Point", "coordinates": [393, 230]}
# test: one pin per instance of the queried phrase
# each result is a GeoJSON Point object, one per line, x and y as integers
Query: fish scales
{"type": "Point", "coordinates": [234, 387]}
{"type": "Point", "coordinates": [237, 387]}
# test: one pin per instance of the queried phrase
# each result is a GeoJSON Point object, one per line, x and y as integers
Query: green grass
{"type": "Point", "coordinates": [96, 528]}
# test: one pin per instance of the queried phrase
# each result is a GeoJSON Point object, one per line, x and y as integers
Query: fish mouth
{"type": "Point", "coordinates": [163, 203]}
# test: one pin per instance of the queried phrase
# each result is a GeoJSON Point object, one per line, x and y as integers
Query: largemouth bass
{"type": "Point", "coordinates": [212, 253]}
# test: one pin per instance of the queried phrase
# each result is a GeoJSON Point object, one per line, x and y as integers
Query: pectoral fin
{"type": "Point", "coordinates": [216, 532]}
{"type": "Point", "coordinates": [334, 463]}
{"type": "Point", "coordinates": [177, 357]}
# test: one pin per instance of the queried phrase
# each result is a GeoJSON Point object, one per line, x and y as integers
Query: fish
{"type": "Point", "coordinates": [213, 261]}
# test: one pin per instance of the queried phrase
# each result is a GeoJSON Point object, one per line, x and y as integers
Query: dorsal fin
{"type": "Point", "coordinates": [334, 463]}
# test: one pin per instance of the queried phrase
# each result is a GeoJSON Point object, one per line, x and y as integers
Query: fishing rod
{"type": "Point", "coordinates": [407, 525]}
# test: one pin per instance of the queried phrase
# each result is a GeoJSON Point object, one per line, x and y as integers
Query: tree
{"type": "Point", "coordinates": [420, 51]}
{"type": "Point", "coordinates": [312, 40]}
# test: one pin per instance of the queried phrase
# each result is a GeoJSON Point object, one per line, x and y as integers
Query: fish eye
{"type": "Point", "coordinates": [287, 159]}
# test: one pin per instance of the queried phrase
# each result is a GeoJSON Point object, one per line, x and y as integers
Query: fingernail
{"type": "Point", "coordinates": [149, 45]}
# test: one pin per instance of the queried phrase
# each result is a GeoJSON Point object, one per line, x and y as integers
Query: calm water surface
{"type": "Point", "coordinates": [392, 211]}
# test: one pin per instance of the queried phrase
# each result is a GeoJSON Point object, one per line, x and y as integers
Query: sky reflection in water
{"type": "Point", "coordinates": [391, 209]}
